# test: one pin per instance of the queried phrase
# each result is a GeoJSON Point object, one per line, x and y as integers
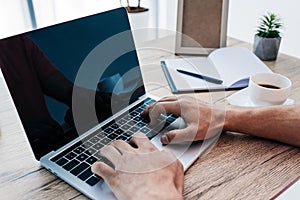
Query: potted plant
{"type": "Point", "coordinates": [267, 39]}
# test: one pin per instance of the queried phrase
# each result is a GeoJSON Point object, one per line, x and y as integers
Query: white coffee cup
{"type": "Point", "coordinates": [267, 89]}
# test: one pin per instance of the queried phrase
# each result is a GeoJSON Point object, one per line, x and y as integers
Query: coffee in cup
{"type": "Point", "coordinates": [269, 89]}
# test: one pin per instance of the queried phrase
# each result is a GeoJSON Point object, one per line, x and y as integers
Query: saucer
{"type": "Point", "coordinates": [241, 98]}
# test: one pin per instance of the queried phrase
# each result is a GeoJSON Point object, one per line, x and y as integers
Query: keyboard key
{"type": "Point", "coordinates": [90, 151]}
{"type": "Point", "coordinates": [125, 127]}
{"type": "Point", "coordinates": [145, 130]}
{"type": "Point", "coordinates": [151, 102]}
{"type": "Point", "coordinates": [114, 126]}
{"type": "Point", "coordinates": [139, 110]}
{"type": "Point", "coordinates": [71, 155]}
{"type": "Point", "coordinates": [86, 174]}
{"type": "Point", "coordinates": [147, 99]}
{"type": "Point", "coordinates": [112, 136]}
{"type": "Point", "coordinates": [94, 140]}
{"type": "Point", "coordinates": [133, 114]}
{"type": "Point", "coordinates": [92, 181]}
{"type": "Point", "coordinates": [98, 146]}
{"type": "Point", "coordinates": [71, 165]}
{"type": "Point", "coordinates": [80, 168]}
{"type": "Point", "coordinates": [134, 129]}
{"type": "Point", "coordinates": [141, 124]}
{"type": "Point", "coordinates": [101, 135]}
{"type": "Point", "coordinates": [79, 150]}
{"type": "Point", "coordinates": [127, 117]}
{"type": "Point", "coordinates": [131, 123]}
{"type": "Point", "coordinates": [82, 157]}
{"type": "Point", "coordinates": [119, 131]}
{"type": "Point", "coordinates": [91, 160]}
{"type": "Point", "coordinates": [138, 118]}
{"type": "Point", "coordinates": [146, 120]}
{"type": "Point", "coordinates": [170, 120]}
{"type": "Point", "coordinates": [61, 161]}
{"type": "Point", "coordinates": [98, 156]}
{"type": "Point", "coordinates": [109, 130]}
{"type": "Point", "coordinates": [143, 106]}
{"type": "Point", "coordinates": [106, 141]}
{"type": "Point", "coordinates": [87, 144]}
{"type": "Point", "coordinates": [121, 122]}
{"type": "Point", "coordinates": [121, 137]}
{"type": "Point", "coordinates": [98, 176]}
{"type": "Point", "coordinates": [128, 133]}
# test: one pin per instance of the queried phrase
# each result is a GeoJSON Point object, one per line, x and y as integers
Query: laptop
{"type": "Point", "coordinates": [97, 53]}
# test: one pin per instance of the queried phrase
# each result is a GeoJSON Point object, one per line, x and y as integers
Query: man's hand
{"type": "Point", "coordinates": [203, 120]}
{"type": "Point", "coordinates": [141, 170]}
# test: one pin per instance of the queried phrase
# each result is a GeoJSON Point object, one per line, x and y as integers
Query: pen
{"type": "Point", "coordinates": [206, 78]}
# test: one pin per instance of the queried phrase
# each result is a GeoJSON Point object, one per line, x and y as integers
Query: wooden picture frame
{"type": "Point", "coordinates": [201, 26]}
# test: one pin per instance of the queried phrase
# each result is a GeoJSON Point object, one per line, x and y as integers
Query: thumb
{"type": "Point", "coordinates": [179, 135]}
{"type": "Point", "coordinates": [103, 170]}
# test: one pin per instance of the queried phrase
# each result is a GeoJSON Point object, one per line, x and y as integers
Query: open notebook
{"type": "Point", "coordinates": [233, 66]}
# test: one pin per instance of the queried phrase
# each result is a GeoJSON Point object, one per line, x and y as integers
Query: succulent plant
{"type": "Point", "coordinates": [269, 27]}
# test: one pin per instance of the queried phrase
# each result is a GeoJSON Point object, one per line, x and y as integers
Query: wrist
{"type": "Point", "coordinates": [232, 117]}
{"type": "Point", "coordinates": [238, 118]}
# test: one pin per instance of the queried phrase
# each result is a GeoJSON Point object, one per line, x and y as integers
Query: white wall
{"type": "Point", "coordinates": [244, 17]}
{"type": "Point", "coordinates": [55, 11]}
{"type": "Point", "coordinates": [14, 17]}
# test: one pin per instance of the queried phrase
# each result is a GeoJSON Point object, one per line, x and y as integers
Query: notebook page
{"type": "Point", "coordinates": [200, 65]}
{"type": "Point", "coordinates": [235, 64]}
{"type": "Point", "coordinates": [292, 193]}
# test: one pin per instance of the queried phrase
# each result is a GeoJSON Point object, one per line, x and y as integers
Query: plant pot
{"type": "Point", "coordinates": [266, 48]}
{"type": "Point", "coordinates": [137, 9]}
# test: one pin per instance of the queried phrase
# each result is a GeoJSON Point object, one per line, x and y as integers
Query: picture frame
{"type": "Point", "coordinates": [195, 19]}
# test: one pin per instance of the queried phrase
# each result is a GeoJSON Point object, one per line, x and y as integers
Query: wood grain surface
{"type": "Point", "coordinates": [237, 167]}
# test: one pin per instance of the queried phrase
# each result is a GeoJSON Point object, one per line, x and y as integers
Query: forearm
{"type": "Point", "coordinates": [280, 123]}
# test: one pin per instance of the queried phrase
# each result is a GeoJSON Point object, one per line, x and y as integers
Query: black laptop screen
{"type": "Point", "coordinates": [66, 78]}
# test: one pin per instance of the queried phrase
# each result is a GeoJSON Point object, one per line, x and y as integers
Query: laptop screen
{"type": "Point", "coordinates": [66, 78]}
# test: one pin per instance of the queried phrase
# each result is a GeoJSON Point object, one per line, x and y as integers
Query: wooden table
{"type": "Point", "coordinates": [238, 167]}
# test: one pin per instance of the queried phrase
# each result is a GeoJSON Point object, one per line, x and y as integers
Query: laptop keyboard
{"type": "Point", "coordinates": [78, 158]}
